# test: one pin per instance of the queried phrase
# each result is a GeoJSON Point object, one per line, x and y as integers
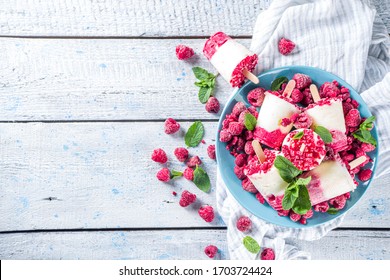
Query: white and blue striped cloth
{"type": "Point", "coordinates": [346, 38]}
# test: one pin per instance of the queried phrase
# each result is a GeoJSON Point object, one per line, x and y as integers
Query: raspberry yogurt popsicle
{"type": "Point", "coordinates": [232, 60]}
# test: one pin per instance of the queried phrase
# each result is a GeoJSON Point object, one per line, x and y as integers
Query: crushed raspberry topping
{"type": "Point", "coordinates": [286, 46]}
{"type": "Point", "coordinates": [159, 155]}
{"type": "Point", "coordinates": [213, 43]}
{"type": "Point", "coordinates": [244, 224]}
{"type": "Point", "coordinates": [285, 122]}
{"type": "Point", "coordinates": [206, 213]}
{"type": "Point", "coordinates": [184, 52]}
{"type": "Point", "coordinates": [187, 198]}
{"type": "Point", "coordinates": [254, 166]}
{"type": "Point", "coordinates": [272, 139]}
{"type": "Point", "coordinates": [248, 186]}
{"type": "Point", "coordinates": [323, 102]}
{"type": "Point", "coordinates": [248, 63]}
{"type": "Point", "coordinates": [211, 251]}
{"type": "Point", "coordinates": [171, 126]}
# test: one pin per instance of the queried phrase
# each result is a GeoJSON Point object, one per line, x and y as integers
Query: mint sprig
{"type": "Point", "coordinates": [363, 134]}
{"type": "Point", "coordinates": [278, 82]}
{"type": "Point", "coordinates": [324, 133]}
{"type": "Point", "coordinates": [194, 134]}
{"type": "Point", "coordinates": [296, 196]}
{"type": "Point", "coordinates": [201, 179]}
{"type": "Point", "coordinates": [250, 121]}
{"type": "Point", "coordinates": [206, 83]}
{"type": "Point", "coordinates": [286, 169]}
{"type": "Point", "coordinates": [251, 245]}
{"type": "Point", "coordinates": [176, 174]}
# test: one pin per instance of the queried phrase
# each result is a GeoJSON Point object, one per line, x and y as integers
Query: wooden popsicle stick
{"type": "Point", "coordinates": [303, 146]}
{"type": "Point", "coordinates": [250, 76]}
{"type": "Point", "coordinates": [289, 88]}
{"type": "Point", "coordinates": [356, 162]}
{"type": "Point", "coordinates": [258, 150]}
{"type": "Point", "coordinates": [314, 93]}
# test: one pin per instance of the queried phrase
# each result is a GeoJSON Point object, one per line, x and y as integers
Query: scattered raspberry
{"type": "Point", "coordinates": [286, 46]}
{"type": "Point", "coordinates": [211, 251]}
{"type": "Point", "coordinates": [338, 202]}
{"type": "Point", "coordinates": [365, 174]}
{"type": "Point", "coordinates": [188, 174]}
{"type": "Point", "coordinates": [212, 105]}
{"type": "Point", "coordinates": [302, 120]}
{"type": "Point", "coordinates": [302, 81]}
{"type": "Point", "coordinates": [159, 155]}
{"type": "Point", "coordinates": [296, 96]}
{"type": "Point", "coordinates": [347, 157]}
{"type": "Point", "coordinates": [329, 89]}
{"type": "Point", "coordinates": [248, 186]}
{"type": "Point", "coordinates": [249, 148]}
{"type": "Point", "coordinates": [321, 207]}
{"type": "Point", "coordinates": [260, 198]}
{"type": "Point", "coordinates": [181, 154]}
{"type": "Point", "coordinates": [256, 97]}
{"type": "Point", "coordinates": [171, 126]}
{"type": "Point", "coordinates": [174, 193]}
{"type": "Point", "coordinates": [187, 198]}
{"type": "Point", "coordinates": [240, 160]}
{"type": "Point", "coordinates": [211, 151]}
{"type": "Point", "coordinates": [308, 214]}
{"type": "Point", "coordinates": [352, 119]}
{"type": "Point", "coordinates": [347, 107]}
{"type": "Point", "coordinates": [235, 128]}
{"type": "Point", "coordinates": [164, 175]}
{"type": "Point", "coordinates": [267, 254]}
{"type": "Point", "coordinates": [239, 171]}
{"type": "Point", "coordinates": [294, 216]}
{"type": "Point", "coordinates": [238, 108]}
{"type": "Point", "coordinates": [194, 161]}
{"type": "Point", "coordinates": [207, 213]}
{"type": "Point", "coordinates": [244, 224]}
{"type": "Point", "coordinates": [184, 52]}
{"type": "Point", "coordinates": [203, 141]}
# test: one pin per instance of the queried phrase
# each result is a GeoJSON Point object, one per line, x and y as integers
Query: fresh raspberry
{"type": "Point", "coordinates": [294, 216]}
{"type": "Point", "coordinates": [260, 198]}
{"type": "Point", "coordinates": [329, 89]}
{"type": "Point", "coordinates": [308, 214]}
{"type": "Point", "coordinates": [187, 198]}
{"type": "Point", "coordinates": [239, 171]}
{"type": "Point", "coordinates": [244, 224]}
{"type": "Point", "coordinates": [365, 174]}
{"type": "Point", "coordinates": [206, 213]}
{"type": "Point", "coordinates": [235, 128]}
{"type": "Point", "coordinates": [171, 126]}
{"type": "Point", "coordinates": [367, 147]}
{"type": "Point", "coordinates": [238, 108]}
{"type": "Point", "coordinates": [296, 95]}
{"type": "Point", "coordinates": [249, 148]}
{"type": "Point", "coordinates": [181, 154]}
{"type": "Point", "coordinates": [211, 151]}
{"type": "Point", "coordinates": [194, 161]}
{"type": "Point", "coordinates": [248, 186]}
{"type": "Point", "coordinates": [188, 174]}
{"type": "Point", "coordinates": [159, 155]}
{"type": "Point", "coordinates": [184, 52]}
{"type": "Point", "coordinates": [211, 251]}
{"type": "Point", "coordinates": [225, 135]}
{"type": "Point", "coordinates": [174, 193]}
{"type": "Point", "coordinates": [352, 119]}
{"type": "Point", "coordinates": [212, 105]}
{"type": "Point", "coordinates": [164, 175]}
{"type": "Point", "coordinates": [303, 120]}
{"type": "Point", "coordinates": [347, 107]}
{"type": "Point", "coordinates": [267, 254]}
{"type": "Point", "coordinates": [286, 46]}
{"type": "Point", "coordinates": [256, 97]}
{"type": "Point", "coordinates": [240, 160]}
{"type": "Point", "coordinates": [301, 81]}
{"type": "Point", "coordinates": [338, 202]}
{"type": "Point", "coordinates": [321, 207]}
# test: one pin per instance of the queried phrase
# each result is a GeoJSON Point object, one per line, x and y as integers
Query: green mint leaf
{"type": "Point", "coordinates": [211, 82]}
{"type": "Point", "coordinates": [324, 133]}
{"type": "Point", "coordinates": [332, 211]}
{"type": "Point", "coordinates": [201, 74]}
{"type": "Point", "coordinates": [201, 179]}
{"type": "Point", "coordinates": [250, 121]}
{"type": "Point", "coordinates": [277, 83]}
{"type": "Point", "coordinates": [364, 137]}
{"type": "Point", "coordinates": [368, 123]}
{"type": "Point", "coordinates": [194, 134]}
{"type": "Point", "coordinates": [201, 84]}
{"type": "Point", "coordinates": [286, 169]}
{"type": "Point", "coordinates": [176, 174]}
{"type": "Point", "coordinates": [251, 245]}
{"type": "Point", "coordinates": [302, 204]}
{"type": "Point", "coordinates": [303, 181]}
{"type": "Point", "coordinates": [204, 94]}
{"type": "Point", "coordinates": [298, 136]}
{"type": "Point", "coordinates": [289, 199]}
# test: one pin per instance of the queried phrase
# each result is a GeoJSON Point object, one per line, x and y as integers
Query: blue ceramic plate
{"type": "Point", "coordinates": [226, 160]}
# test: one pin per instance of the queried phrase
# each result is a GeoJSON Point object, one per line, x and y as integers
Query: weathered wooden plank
{"type": "Point", "coordinates": [175, 244]}
{"type": "Point", "coordinates": [99, 175]}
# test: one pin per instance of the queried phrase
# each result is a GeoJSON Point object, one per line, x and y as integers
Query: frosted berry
{"type": "Point", "coordinates": [239, 171]}
{"type": "Point", "coordinates": [286, 46]}
{"type": "Point", "coordinates": [171, 126]}
{"type": "Point", "coordinates": [260, 198]}
{"type": "Point", "coordinates": [225, 135]}
{"type": "Point", "coordinates": [367, 147]}
{"type": "Point", "coordinates": [244, 224]}
{"type": "Point", "coordinates": [338, 202]}
{"type": "Point", "coordinates": [301, 81]}
{"type": "Point", "coordinates": [347, 107]}
{"type": "Point", "coordinates": [308, 214]}
{"type": "Point", "coordinates": [211, 151]}
{"type": "Point", "coordinates": [211, 251]}
{"type": "Point", "coordinates": [212, 105]}
{"type": "Point", "coordinates": [187, 198]}
{"type": "Point", "coordinates": [159, 155]}
{"type": "Point", "coordinates": [206, 213]}
{"type": "Point", "coordinates": [164, 175]}
{"type": "Point", "coordinates": [352, 119]}
{"type": "Point", "coordinates": [240, 160]}
{"type": "Point", "coordinates": [194, 161]}
{"type": "Point", "coordinates": [188, 174]}
{"type": "Point", "coordinates": [184, 52]}
{"type": "Point", "coordinates": [248, 186]}
{"type": "Point", "coordinates": [235, 128]}
{"type": "Point", "coordinates": [238, 108]}
{"type": "Point", "coordinates": [181, 154]}
{"type": "Point", "coordinates": [249, 148]}
{"type": "Point", "coordinates": [256, 97]}
{"type": "Point", "coordinates": [294, 216]}
{"type": "Point", "coordinates": [321, 207]}
{"type": "Point", "coordinates": [267, 254]}
{"type": "Point", "coordinates": [296, 95]}
{"type": "Point", "coordinates": [329, 89]}
{"type": "Point", "coordinates": [365, 174]}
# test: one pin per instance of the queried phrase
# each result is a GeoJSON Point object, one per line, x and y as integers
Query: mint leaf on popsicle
{"type": "Point", "coordinates": [278, 82]}
{"type": "Point", "coordinates": [324, 133]}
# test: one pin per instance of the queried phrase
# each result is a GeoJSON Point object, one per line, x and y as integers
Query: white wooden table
{"type": "Point", "coordinates": [84, 89]}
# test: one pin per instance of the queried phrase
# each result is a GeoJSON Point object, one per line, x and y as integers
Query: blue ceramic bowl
{"type": "Point", "coordinates": [226, 160]}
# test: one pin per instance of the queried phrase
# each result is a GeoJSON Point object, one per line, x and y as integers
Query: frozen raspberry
{"type": "Point", "coordinates": [194, 161]}
{"type": "Point", "coordinates": [159, 155]}
{"type": "Point", "coordinates": [240, 160]}
{"type": "Point", "coordinates": [211, 151]}
{"type": "Point", "coordinates": [329, 89]}
{"type": "Point", "coordinates": [285, 122]}
{"type": "Point", "coordinates": [283, 213]}
{"type": "Point", "coordinates": [367, 147]}
{"type": "Point", "coordinates": [188, 174]}
{"type": "Point", "coordinates": [256, 97]}
{"type": "Point", "coordinates": [207, 213]}
{"type": "Point", "coordinates": [244, 224]}
{"type": "Point", "coordinates": [307, 98]}
{"type": "Point", "coordinates": [228, 119]}
{"type": "Point", "coordinates": [296, 96]}
{"type": "Point", "coordinates": [352, 119]}
{"type": "Point", "coordinates": [212, 105]}
{"type": "Point", "coordinates": [181, 154]}
{"type": "Point", "coordinates": [303, 221]}
{"type": "Point", "coordinates": [184, 52]}
{"type": "Point", "coordinates": [347, 195]}
{"type": "Point", "coordinates": [286, 46]}
{"type": "Point", "coordinates": [301, 81]}
{"type": "Point", "coordinates": [355, 103]}
{"type": "Point", "coordinates": [249, 148]}
{"type": "Point", "coordinates": [303, 120]}
{"type": "Point", "coordinates": [260, 198]}
{"type": "Point", "coordinates": [235, 128]}
{"type": "Point", "coordinates": [171, 126]}
{"type": "Point", "coordinates": [347, 107]}
{"type": "Point", "coordinates": [225, 135]}
{"type": "Point", "coordinates": [321, 207]}
{"type": "Point", "coordinates": [338, 202]}
{"type": "Point", "coordinates": [347, 157]}
{"type": "Point", "coordinates": [241, 117]}
{"type": "Point", "coordinates": [267, 254]}
{"type": "Point", "coordinates": [248, 135]}
{"type": "Point", "coordinates": [248, 186]}
{"type": "Point", "coordinates": [187, 198]}
{"type": "Point", "coordinates": [164, 175]}
{"type": "Point", "coordinates": [295, 217]}
{"type": "Point", "coordinates": [365, 175]}
{"type": "Point", "coordinates": [238, 108]}
{"type": "Point", "coordinates": [308, 214]}
{"type": "Point", "coordinates": [211, 251]}
{"type": "Point", "coordinates": [253, 111]}
{"type": "Point", "coordinates": [239, 171]}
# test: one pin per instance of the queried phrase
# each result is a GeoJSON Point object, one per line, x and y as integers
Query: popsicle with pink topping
{"type": "Point", "coordinates": [231, 59]}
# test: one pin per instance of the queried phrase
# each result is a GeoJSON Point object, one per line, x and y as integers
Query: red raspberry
{"type": "Point", "coordinates": [347, 195]}
{"type": "Point", "coordinates": [303, 221]}
{"type": "Point", "coordinates": [159, 155]}
{"type": "Point", "coordinates": [238, 108]}
{"type": "Point", "coordinates": [365, 174]}
{"type": "Point", "coordinates": [211, 151]}
{"type": "Point", "coordinates": [294, 216]}
{"type": "Point", "coordinates": [260, 198]}
{"type": "Point", "coordinates": [171, 126]}
{"type": "Point", "coordinates": [228, 119]}
{"type": "Point", "coordinates": [211, 251]}
{"type": "Point", "coordinates": [253, 111]}
{"type": "Point", "coordinates": [367, 147]}
{"type": "Point", "coordinates": [303, 120]}
{"type": "Point", "coordinates": [240, 160]}
{"type": "Point", "coordinates": [241, 117]}
{"type": "Point", "coordinates": [352, 119]}
{"type": "Point", "coordinates": [329, 89]}
{"type": "Point", "coordinates": [183, 52]}
{"type": "Point", "coordinates": [355, 103]}
{"type": "Point", "coordinates": [347, 107]}
{"type": "Point", "coordinates": [181, 154]}
{"type": "Point", "coordinates": [267, 254]}
{"type": "Point", "coordinates": [308, 214]}
{"type": "Point", "coordinates": [188, 174]}
{"type": "Point", "coordinates": [244, 224]}
{"type": "Point", "coordinates": [283, 213]}
{"type": "Point", "coordinates": [225, 135]}
{"type": "Point", "coordinates": [212, 105]}
{"type": "Point", "coordinates": [321, 207]}
{"type": "Point", "coordinates": [206, 213]}
{"type": "Point", "coordinates": [302, 81]}
{"type": "Point", "coordinates": [248, 186]}
{"type": "Point", "coordinates": [307, 98]}
{"type": "Point", "coordinates": [235, 128]}
{"type": "Point", "coordinates": [256, 97]}
{"type": "Point", "coordinates": [239, 171]}
{"type": "Point", "coordinates": [286, 46]}
{"type": "Point", "coordinates": [194, 161]}
{"type": "Point", "coordinates": [249, 148]}
{"type": "Point", "coordinates": [164, 175]}
{"type": "Point", "coordinates": [347, 157]}
{"type": "Point", "coordinates": [285, 122]}
{"type": "Point", "coordinates": [174, 193]}
{"type": "Point", "coordinates": [248, 135]}
{"type": "Point", "coordinates": [187, 198]}
{"type": "Point", "coordinates": [296, 95]}
{"type": "Point", "coordinates": [338, 202]}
